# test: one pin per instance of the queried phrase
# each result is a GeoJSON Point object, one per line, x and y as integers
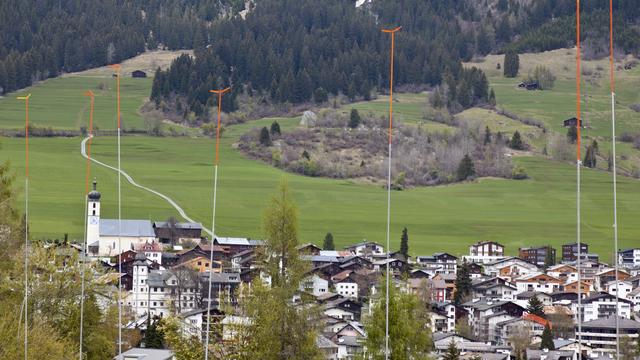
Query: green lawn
{"type": "Point", "coordinates": [60, 103]}
{"type": "Point", "coordinates": [516, 213]}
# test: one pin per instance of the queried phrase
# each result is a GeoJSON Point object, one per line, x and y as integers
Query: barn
{"type": "Point", "coordinates": [572, 122]}
{"type": "Point", "coordinates": [138, 74]}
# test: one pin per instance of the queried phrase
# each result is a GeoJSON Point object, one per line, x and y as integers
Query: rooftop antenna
{"type": "Point", "coordinates": [386, 309]}
{"type": "Point", "coordinates": [86, 204]}
{"type": "Point", "coordinates": [612, 83]}
{"type": "Point", "coordinates": [578, 164]}
{"type": "Point", "coordinates": [26, 226]}
{"type": "Point", "coordinates": [219, 92]}
{"type": "Point", "coordinates": [117, 68]}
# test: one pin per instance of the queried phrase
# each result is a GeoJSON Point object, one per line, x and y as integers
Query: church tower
{"type": "Point", "coordinates": [93, 216]}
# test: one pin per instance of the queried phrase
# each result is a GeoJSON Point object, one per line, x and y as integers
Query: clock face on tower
{"type": "Point", "coordinates": [93, 220]}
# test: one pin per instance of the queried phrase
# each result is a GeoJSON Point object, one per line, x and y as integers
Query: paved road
{"type": "Point", "coordinates": [83, 152]}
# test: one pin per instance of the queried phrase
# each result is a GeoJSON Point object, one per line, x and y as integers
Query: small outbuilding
{"type": "Point", "coordinates": [138, 74]}
{"type": "Point", "coordinates": [572, 122]}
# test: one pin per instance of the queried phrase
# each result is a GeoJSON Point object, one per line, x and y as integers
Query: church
{"type": "Point", "coordinates": [110, 237]}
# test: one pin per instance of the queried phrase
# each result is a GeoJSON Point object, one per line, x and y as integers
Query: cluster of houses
{"type": "Point", "coordinates": [165, 268]}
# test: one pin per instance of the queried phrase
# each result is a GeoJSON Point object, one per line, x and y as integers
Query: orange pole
{"type": "Point", "coordinates": [393, 37]}
{"type": "Point", "coordinates": [88, 172]}
{"type": "Point", "coordinates": [219, 93]}
{"type": "Point", "coordinates": [578, 124]}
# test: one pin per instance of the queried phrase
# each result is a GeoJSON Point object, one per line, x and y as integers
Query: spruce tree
{"type": "Point", "coordinates": [328, 242]}
{"type": "Point", "coordinates": [487, 136]}
{"type": "Point", "coordinates": [549, 259]}
{"type": "Point", "coordinates": [452, 352]}
{"type": "Point", "coordinates": [516, 142]}
{"type": "Point", "coordinates": [535, 306]}
{"type": "Point", "coordinates": [354, 119]}
{"type": "Point", "coordinates": [511, 64]}
{"type": "Point", "coordinates": [404, 244]}
{"type": "Point", "coordinates": [547, 338]}
{"type": "Point", "coordinates": [463, 283]}
{"type": "Point", "coordinates": [466, 168]}
{"type": "Point", "coordinates": [265, 138]}
{"type": "Point", "coordinates": [492, 98]}
{"type": "Point", "coordinates": [153, 337]}
{"type": "Point", "coordinates": [275, 129]}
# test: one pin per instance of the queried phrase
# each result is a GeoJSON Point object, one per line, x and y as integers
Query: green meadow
{"type": "Point", "coordinates": [537, 211]}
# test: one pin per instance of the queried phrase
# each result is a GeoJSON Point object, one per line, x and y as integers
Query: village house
{"type": "Point", "coordinates": [449, 284]}
{"type": "Point", "coordinates": [540, 256]}
{"type": "Point", "coordinates": [565, 272]}
{"type": "Point", "coordinates": [484, 252]}
{"type": "Point", "coordinates": [152, 250]}
{"type": "Point", "coordinates": [538, 282]}
{"type": "Point", "coordinates": [603, 305]}
{"type": "Point", "coordinates": [621, 289]}
{"type": "Point", "coordinates": [236, 245]}
{"type": "Point", "coordinates": [438, 263]}
{"type": "Point", "coordinates": [570, 251]}
{"type": "Point", "coordinates": [315, 284]}
{"type": "Point", "coordinates": [510, 268]}
{"type": "Point", "coordinates": [586, 287]}
{"type": "Point", "coordinates": [169, 232]}
{"type": "Point", "coordinates": [494, 288]}
{"type": "Point", "coordinates": [480, 312]}
{"type": "Point", "coordinates": [600, 334]}
{"type": "Point", "coordinates": [605, 276]}
{"type": "Point", "coordinates": [629, 257]}
{"type": "Point", "coordinates": [523, 298]}
{"type": "Point", "coordinates": [366, 248]}
{"type": "Point", "coordinates": [534, 324]}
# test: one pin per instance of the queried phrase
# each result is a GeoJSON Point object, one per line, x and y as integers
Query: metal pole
{"type": "Point", "coordinates": [614, 169]}
{"type": "Point", "coordinates": [26, 228]}
{"type": "Point", "coordinates": [578, 163]}
{"type": "Point", "coordinates": [213, 219]}
{"type": "Point", "coordinates": [386, 329]}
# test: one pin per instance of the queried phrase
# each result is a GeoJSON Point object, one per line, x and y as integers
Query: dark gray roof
{"type": "Point", "coordinates": [484, 304]}
{"type": "Point", "coordinates": [128, 228]}
{"type": "Point", "coordinates": [185, 225]}
{"type": "Point", "coordinates": [324, 343]}
{"type": "Point", "coordinates": [610, 323]}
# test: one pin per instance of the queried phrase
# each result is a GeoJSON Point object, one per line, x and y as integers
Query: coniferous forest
{"type": "Point", "coordinates": [296, 51]}
{"type": "Point", "coordinates": [42, 39]}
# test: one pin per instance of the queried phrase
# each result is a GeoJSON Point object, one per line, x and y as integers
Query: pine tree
{"type": "Point", "coordinates": [535, 306]}
{"type": "Point", "coordinates": [320, 96]}
{"type": "Point", "coordinates": [153, 337]}
{"type": "Point", "coordinates": [511, 64]}
{"type": "Point", "coordinates": [466, 168]}
{"type": "Point", "coordinates": [516, 142]}
{"type": "Point", "coordinates": [492, 98]}
{"type": "Point", "coordinates": [549, 259]}
{"type": "Point", "coordinates": [487, 135]}
{"type": "Point", "coordinates": [328, 242]}
{"type": "Point", "coordinates": [354, 119]}
{"type": "Point", "coordinates": [404, 244]}
{"type": "Point", "coordinates": [265, 138]}
{"type": "Point", "coordinates": [547, 338]}
{"type": "Point", "coordinates": [275, 128]}
{"type": "Point", "coordinates": [463, 283]}
{"type": "Point", "coordinates": [452, 352]}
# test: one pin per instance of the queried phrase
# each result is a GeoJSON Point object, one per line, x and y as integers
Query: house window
{"type": "Point", "coordinates": [155, 303]}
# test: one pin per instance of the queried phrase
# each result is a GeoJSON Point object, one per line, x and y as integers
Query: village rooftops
{"type": "Point", "coordinates": [128, 228]}
{"type": "Point", "coordinates": [603, 296]}
{"type": "Point", "coordinates": [484, 304]}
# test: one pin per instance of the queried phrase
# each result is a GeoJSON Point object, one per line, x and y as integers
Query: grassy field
{"type": "Point", "coordinates": [538, 211]}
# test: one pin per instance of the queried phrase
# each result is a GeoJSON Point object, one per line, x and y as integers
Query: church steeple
{"type": "Point", "coordinates": [94, 195]}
